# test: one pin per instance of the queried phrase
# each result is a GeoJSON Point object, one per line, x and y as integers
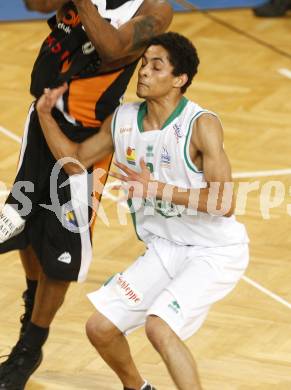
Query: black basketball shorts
{"type": "Point", "coordinates": [57, 208]}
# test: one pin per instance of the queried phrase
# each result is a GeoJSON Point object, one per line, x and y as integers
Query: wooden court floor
{"type": "Point", "coordinates": [245, 343]}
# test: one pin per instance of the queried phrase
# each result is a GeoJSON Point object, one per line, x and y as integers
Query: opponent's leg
{"type": "Point", "coordinates": [31, 267]}
{"type": "Point", "coordinates": [26, 356]}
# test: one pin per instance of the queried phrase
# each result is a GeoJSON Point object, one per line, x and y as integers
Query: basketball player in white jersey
{"type": "Point", "coordinates": [170, 153]}
{"type": "Point", "coordinates": [93, 45]}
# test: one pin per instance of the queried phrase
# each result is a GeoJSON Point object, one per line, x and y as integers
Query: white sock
{"type": "Point", "coordinates": [12, 214]}
{"type": "Point", "coordinates": [11, 223]}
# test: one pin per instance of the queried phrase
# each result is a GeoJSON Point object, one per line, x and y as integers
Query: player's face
{"type": "Point", "coordinates": [155, 77]}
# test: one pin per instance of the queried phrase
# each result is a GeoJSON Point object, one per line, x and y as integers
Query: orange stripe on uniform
{"type": "Point", "coordinates": [84, 95]}
{"type": "Point", "coordinates": [97, 182]}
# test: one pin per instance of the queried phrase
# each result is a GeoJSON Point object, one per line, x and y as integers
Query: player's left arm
{"type": "Point", "coordinates": [129, 40]}
{"type": "Point", "coordinates": [217, 198]}
{"type": "Point", "coordinates": [207, 137]}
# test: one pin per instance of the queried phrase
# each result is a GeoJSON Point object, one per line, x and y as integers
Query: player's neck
{"type": "Point", "coordinates": [159, 111]}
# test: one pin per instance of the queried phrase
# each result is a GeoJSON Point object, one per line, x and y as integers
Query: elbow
{"type": "Point", "coordinates": [229, 213]}
{"type": "Point", "coordinates": [110, 55]}
{"type": "Point", "coordinates": [73, 169]}
{"type": "Point", "coordinates": [71, 165]}
{"type": "Point", "coordinates": [112, 51]}
{"type": "Point", "coordinates": [222, 207]}
{"type": "Point", "coordinates": [44, 7]}
{"type": "Point", "coordinates": [30, 6]}
{"type": "Point", "coordinates": [227, 201]}
{"type": "Point", "coordinates": [228, 209]}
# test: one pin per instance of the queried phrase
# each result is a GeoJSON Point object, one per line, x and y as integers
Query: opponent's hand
{"type": "Point", "coordinates": [78, 2]}
{"type": "Point", "coordinates": [49, 98]}
{"type": "Point", "coordinates": [137, 184]}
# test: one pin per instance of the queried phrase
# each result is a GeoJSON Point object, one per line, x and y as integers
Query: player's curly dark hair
{"type": "Point", "coordinates": [182, 54]}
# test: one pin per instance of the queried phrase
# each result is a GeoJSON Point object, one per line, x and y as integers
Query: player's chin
{"type": "Point", "coordinates": [140, 93]}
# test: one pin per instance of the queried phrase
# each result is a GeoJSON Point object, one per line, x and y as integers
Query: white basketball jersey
{"type": "Point", "coordinates": [166, 153]}
{"type": "Point", "coordinates": [120, 13]}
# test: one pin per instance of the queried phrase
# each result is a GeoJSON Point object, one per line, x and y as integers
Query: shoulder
{"type": "Point", "coordinates": [207, 131]}
{"type": "Point", "coordinates": [208, 121]}
{"type": "Point", "coordinates": [126, 111]}
{"type": "Point", "coordinates": [156, 7]}
{"type": "Point", "coordinates": [129, 107]}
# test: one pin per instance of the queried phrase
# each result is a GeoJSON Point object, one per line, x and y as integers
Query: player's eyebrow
{"type": "Point", "coordinates": [153, 59]}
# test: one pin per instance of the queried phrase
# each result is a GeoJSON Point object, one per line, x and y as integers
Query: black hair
{"type": "Point", "coordinates": [182, 54]}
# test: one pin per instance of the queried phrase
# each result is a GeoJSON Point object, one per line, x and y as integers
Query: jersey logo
{"type": "Point", "coordinates": [149, 152]}
{"type": "Point", "coordinates": [130, 156]}
{"type": "Point", "coordinates": [165, 157]}
{"type": "Point", "coordinates": [162, 207]}
{"type": "Point", "coordinates": [178, 132]}
{"type": "Point", "coordinates": [124, 130]}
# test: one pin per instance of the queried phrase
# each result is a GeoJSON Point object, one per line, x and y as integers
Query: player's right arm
{"type": "Point", "coordinates": [88, 152]}
{"type": "Point", "coordinates": [45, 6]}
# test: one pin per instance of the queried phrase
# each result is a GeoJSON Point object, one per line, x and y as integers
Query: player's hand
{"type": "Point", "coordinates": [49, 98]}
{"type": "Point", "coordinates": [137, 184]}
{"type": "Point", "coordinates": [78, 2]}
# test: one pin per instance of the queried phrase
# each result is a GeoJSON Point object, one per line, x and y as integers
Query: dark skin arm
{"type": "Point", "coordinates": [129, 41]}
{"type": "Point", "coordinates": [44, 6]}
{"type": "Point", "coordinates": [116, 47]}
{"type": "Point", "coordinates": [88, 152]}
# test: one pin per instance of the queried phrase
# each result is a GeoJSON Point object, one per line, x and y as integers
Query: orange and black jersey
{"type": "Point", "coordinates": [68, 55]}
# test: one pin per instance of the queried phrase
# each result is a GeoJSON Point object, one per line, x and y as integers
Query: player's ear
{"type": "Point", "coordinates": [180, 80]}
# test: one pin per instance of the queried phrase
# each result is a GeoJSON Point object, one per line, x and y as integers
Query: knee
{"type": "Point", "coordinates": [158, 332]}
{"type": "Point", "coordinates": [100, 331]}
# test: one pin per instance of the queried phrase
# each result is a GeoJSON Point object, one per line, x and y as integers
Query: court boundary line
{"type": "Point", "coordinates": [264, 290]}
{"type": "Point", "coordinates": [10, 134]}
{"type": "Point", "coordinates": [267, 173]}
{"type": "Point", "coordinates": [208, 14]}
{"type": "Point", "coordinates": [248, 280]}
{"type": "Point", "coordinates": [285, 72]}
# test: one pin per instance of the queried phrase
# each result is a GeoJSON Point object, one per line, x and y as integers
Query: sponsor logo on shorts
{"type": "Point", "coordinates": [174, 305]}
{"type": "Point", "coordinates": [128, 291]}
{"type": "Point", "coordinates": [69, 219]}
{"type": "Point", "coordinates": [65, 258]}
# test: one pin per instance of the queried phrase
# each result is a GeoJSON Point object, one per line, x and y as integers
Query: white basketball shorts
{"type": "Point", "coordinates": [174, 282]}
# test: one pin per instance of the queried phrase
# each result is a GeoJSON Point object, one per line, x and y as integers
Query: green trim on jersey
{"type": "Point", "coordinates": [129, 202]}
{"type": "Point", "coordinates": [113, 126]}
{"type": "Point", "coordinates": [143, 111]}
{"type": "Point", "coordinates": [187, 157]}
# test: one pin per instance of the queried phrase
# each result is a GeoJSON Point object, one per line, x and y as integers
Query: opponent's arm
{"type": "Point", "coordinates": [153, 18]}
{"type": "Point", "coordinates": [44, 6]}
{"type": "Point", "coordinates": [87, 153]}
{"type": "Point", "coordinates": [217, 198]}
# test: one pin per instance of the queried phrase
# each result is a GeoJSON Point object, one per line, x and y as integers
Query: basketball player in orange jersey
{"type": "Point", "coordinates": [94, 45]}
